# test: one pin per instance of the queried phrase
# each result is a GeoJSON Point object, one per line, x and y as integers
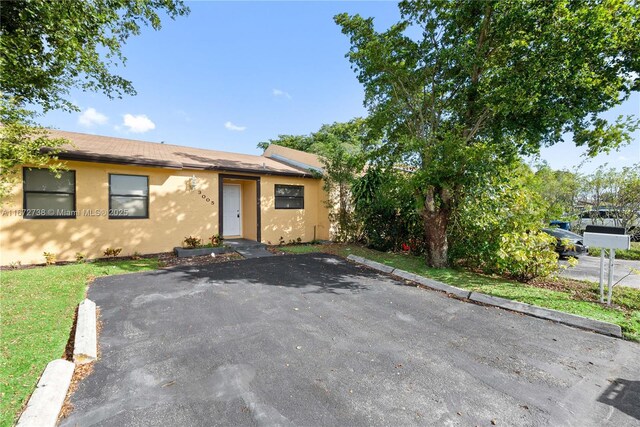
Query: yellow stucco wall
{"type": "Point", "coordinates": [293, 223]}
{"type": "Point", "coordinates": [175, 211]}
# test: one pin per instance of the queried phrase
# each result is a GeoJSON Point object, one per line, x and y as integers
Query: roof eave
{"type": "Point", "coordinates": [132, 161]}
{"type": "Point", "coordinates": [295, 163]}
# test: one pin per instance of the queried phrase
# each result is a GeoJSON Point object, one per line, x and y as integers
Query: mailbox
{"type": "Point", "coordinates": [606, 237]}
{"type": "Point", "coordinates": [611, 238]}
{"type": "Point", "coordinates": [608, 241]}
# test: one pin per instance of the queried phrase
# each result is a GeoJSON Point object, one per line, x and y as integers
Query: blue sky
{"type": "Point", "coordinates": [232, 74]}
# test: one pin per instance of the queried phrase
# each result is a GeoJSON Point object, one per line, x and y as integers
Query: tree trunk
{"type": "Point", "coordinates": [436, 214]}
{"type": "Point", "coordinates": [435, 233]}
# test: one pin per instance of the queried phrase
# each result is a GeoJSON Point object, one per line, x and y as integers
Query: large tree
{"type": "Point", "coordinates": [560, 189]}
{"type": "Point", "coordinates": [48, 48]}
{"type": "Point", "coordinates": [458, 87]}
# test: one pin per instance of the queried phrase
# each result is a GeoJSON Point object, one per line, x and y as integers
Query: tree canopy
{"type": "Point", "coordinates": [458, 88]}
{"type": "Point", "coordinates": [49, 47]}
{"type": "Point", "coordinates": [351, 135]}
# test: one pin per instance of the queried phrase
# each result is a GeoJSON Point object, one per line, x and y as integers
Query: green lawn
{"type": "Point", "coordinates": [632, 254]}
{"type": "Point", "coordinates": [36, 313]}
{"type": "Point", "coordinates": [560, 294]}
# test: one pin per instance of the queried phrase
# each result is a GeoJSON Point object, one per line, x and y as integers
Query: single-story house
{"type": "Point", "coordinates": [147, 197]}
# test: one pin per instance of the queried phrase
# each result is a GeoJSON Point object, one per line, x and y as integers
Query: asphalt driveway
{"type": "Point", "coordinates": [588, 268]}
{"type": "Point", "coordinates": [315, 340]}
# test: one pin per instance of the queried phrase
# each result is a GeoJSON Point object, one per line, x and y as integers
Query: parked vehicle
{"type": "Point", "coordinates": [611, 218]}
{"type": "Point", "coordinates": [567, 243]}
{"type": "Point", "coordinates": [565, 225]}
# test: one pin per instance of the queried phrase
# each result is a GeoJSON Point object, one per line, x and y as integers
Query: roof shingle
{"type": "Point", "coordinates": [106, 149]}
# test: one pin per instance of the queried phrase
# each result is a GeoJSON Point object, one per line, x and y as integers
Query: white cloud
{"type": "Point", "coordinates": [90, 117]}
{"type": "Point", "coordinates": [233, 127]}
{"type": "Point", "coordinates": [138, 124]}
{"type": "Point", "coordinates": [278, 93]}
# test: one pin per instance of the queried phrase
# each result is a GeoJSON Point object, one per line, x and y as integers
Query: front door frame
{"type": "Point", "coordinates": [221, 178]}
{"type": "Point", "coordinates": [240, 199]}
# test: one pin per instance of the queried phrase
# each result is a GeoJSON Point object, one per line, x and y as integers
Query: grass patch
{"type": "Point", "coordinates": [569, 296]}
{"type": "Point", "coordinates": [37, 306]}
{"type": "Point", "coordinates": [305, 249]}
{"type": "Point", "coordinates": [630, 254]}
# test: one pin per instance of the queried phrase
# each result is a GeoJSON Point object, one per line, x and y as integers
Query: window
{"type": "Point", "coordinates": [47, 196]}
{"type": "Point", "coordinates": [128, 196]}
{"type": "Point", "coordinates": [289, 196]}
{"type": "Point", "coordinates": [610, 214]}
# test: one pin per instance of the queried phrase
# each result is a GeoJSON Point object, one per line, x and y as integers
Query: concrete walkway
{"type": "Point", "coordinates": [588, 268]}
{"type": "Point", "coordinates": [248, 248]}
{"type": "Point", "coordinates": [254, 252]}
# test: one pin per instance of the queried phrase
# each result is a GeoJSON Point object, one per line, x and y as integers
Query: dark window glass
{"type": "Point", "coordinates": [610, 214]}
{"type": "Point", "coordinates": [128, 196]}
{"type": "Point", "coordinates": [47, 195]}
{"type": "Point", "coordinates": [289, 196]}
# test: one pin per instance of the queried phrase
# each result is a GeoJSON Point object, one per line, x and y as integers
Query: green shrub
{"type": "Point", "coordinates": [497, 228]}
{"type": "Point", "coordinates": [216, 240]}
{"type": "Point", "coordinates": [80, 257]}
{"type": "Point", "coordinates": [49, 258]}
{"type": "Point", "coordinates": [631, 254]}
{"type": "Point", "coordinates": [386, 209]}
{"type": "Point", "coordinates": [527, 255]}
{"type": "Point", "coordinates": [192, 242]}
{"type": "Point", "coordinates": [112, 252]}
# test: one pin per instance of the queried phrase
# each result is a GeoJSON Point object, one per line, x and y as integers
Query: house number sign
{"type": "Point", "coordinates": [206, 198]}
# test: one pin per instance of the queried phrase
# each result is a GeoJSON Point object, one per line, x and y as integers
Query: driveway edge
{"type": "Point", "coordinates": [433, 284]}
{"type": "Point", "coordinates": [46, 401]}
{"type": "Point", "coordinates": [604, 328]}
{"type": "Point", "coordinates": [371, 264]}
{"type": "Point", "coordinates": [85, 346]}
{"type": "Point", "coordinates": [580, 322]}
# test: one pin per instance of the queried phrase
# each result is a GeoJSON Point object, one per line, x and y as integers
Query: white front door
{"type": "Point", "coordinates": [231, 210]}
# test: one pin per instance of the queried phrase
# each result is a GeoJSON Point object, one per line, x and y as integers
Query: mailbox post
{"type": "Point", "coordinates": [611, 238]}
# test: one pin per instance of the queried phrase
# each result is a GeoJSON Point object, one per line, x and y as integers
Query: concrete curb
{"type": "Point", "coordinates": [46, 401]}
{"type": "Point", "coordinates": [85, 347]}
{"type": "Point", "coordinates": [604, 328]}
{"type": "Point", "coordinates": [371, 264]}
{"type": "Point", "coordinates": [580, 322]}
{"type": "Point", "coordinates": [433, 284]}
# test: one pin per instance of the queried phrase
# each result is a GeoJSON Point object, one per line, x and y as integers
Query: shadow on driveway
{"type": "Point", "coordinates": [623, 395]}
{"type": "Point", "coordinates": [316, 273]}
{"type": "Point", "coordinates": [315, 340]}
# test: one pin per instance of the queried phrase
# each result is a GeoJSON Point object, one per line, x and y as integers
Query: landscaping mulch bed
{"type": "Point", "coordinates": [276, 250]}
{"type": "Point", "coordinates": [165, 259]}
{"type": "Point", "coordinates": [169, 259]}
{"type": "Point", "coordinates": [81, 371]}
